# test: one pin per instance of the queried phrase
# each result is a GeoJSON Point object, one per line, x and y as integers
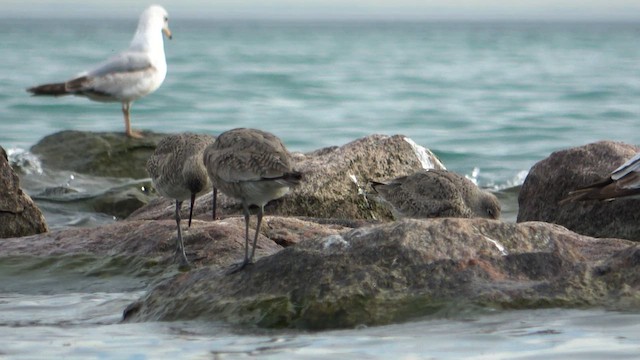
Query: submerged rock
{"type": "Point", "coordinates": [119, 199]}
{"type": "Point", "coordinates": [97, 153]}
{"type": "Point", "coordinates": [333, 181]}
{"type": "Point", "coordinates": [123, 200]}
{"type": "Point", "coordinates": [19, 216]}
{"type": "Point", "coordinates": [405, 270]}
{"type": "Point", "coordinates": [551, 180]}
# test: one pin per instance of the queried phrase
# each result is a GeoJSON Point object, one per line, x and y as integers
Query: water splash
{"type": "Point", "coordinates": [24, 161]}
{"type": "Point", "coordinates": [474, 175]}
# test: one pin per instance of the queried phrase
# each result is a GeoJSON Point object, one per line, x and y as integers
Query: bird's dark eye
{"type": "Point", "coordinates": [166, 19]}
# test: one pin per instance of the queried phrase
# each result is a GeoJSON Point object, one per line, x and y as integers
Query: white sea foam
{"type": "Point", "coordinates": [24, 161]}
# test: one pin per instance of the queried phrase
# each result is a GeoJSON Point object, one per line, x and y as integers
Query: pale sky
{"type": "Point", "coordinates": [338, 9]}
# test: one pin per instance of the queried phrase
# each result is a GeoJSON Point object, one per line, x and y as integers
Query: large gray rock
{"type": "Point", "coordinates": [333, 181]}
{"type": "Point", "coordinates": [97, 153]}
{"type": "Point", "coordinates": [551, 179]}
{"type": "Point", "coordinates": [406, 270]}
{"type": "Point", "coordinates": [19, 216]}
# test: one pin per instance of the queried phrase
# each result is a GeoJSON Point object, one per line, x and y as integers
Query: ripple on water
{"type": "Point", "coordinates": [527, 334]}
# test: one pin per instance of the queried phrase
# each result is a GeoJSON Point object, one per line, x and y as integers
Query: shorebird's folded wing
{"type": "Point", "coordinates": [245, 166]}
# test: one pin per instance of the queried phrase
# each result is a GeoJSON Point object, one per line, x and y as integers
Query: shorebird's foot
{"type": "Point", "coordinates": [238, 267]}
{"type": "Point", "coordinates": [135, 134]}
{"type": "Point", "coordinates": [181, 259]}
{"type": "Point", "coordinates": [184, 266]}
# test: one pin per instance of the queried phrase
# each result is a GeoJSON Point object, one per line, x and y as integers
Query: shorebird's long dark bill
{"type": "Point", "coordinates": [193, 200]}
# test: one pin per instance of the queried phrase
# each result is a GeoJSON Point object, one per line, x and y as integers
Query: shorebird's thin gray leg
{"type": "Point", "coordinates": [245, 262]}
{"type": "Point", "coordinates": [246, 235]}
{"type": "Point", "coordinates": [255, 238]}
{"type": "Point", "coordinates": [215, 201]}
{"type": "Point", "coordinates": [180, 244]}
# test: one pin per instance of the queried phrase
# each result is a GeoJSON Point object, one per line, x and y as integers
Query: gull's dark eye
{"type": "Point", "coordinates": [166, 19]}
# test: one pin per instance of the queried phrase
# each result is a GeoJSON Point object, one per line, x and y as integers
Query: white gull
{"type": "Point", "coordinates": [127, 76]}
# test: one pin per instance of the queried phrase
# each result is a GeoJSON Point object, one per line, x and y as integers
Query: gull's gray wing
{"type": "Point", "coordinates": [125, 62]}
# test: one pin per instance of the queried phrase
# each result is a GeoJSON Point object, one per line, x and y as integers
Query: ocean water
{"type": "Point", "coordinates": [489, 99]}
{"type": "Point", "coordinates": [496, 97]}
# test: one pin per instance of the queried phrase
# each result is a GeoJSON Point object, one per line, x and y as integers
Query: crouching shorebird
{"type": "Point", "coordinates": [177, 172]}
{"type": "Point", "coordinates": [623, 182]}
{"type": "Point", "coordinates": [437, 193]}
{"type": "Point", "coordinates": [128, 76]}
{"type": "Point", "coordinates": [254, 167]}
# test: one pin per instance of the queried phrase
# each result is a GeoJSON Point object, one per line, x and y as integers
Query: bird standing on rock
{"type": "Point", "coordinates": [254, 167]}
{"type": "Point", "coordinates": [177, 172]}
{"type": "Point", "coordinates": [128, 76]}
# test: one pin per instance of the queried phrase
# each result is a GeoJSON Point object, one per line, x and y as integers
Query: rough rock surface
{"type": "Point", "coordinates": [551, 179]}
{"type": "Point", "coordinates": [97, 153]}
{"type": "Point", "coordinates": [405, 270]}
{"type": "Point", "coordinates": [19, 216]}
{"type": "Point", "coordinates": [328, 189]}
{"type": "Point", "coordinates": [147, 247]}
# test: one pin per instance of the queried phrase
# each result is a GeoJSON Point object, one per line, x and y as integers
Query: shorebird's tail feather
{"type": "Point", "coordinates": [293, 178]}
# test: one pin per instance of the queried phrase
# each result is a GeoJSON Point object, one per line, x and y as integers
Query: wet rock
{"type": "Point", "coordinates": [333, 181]}
{"type": "Point", "coordinates": [147, 248]}
{"type": "Point", "coordinates": [123, 200]}
{"type": "Point", "coordinates": [97, 153]}
{"type": "Point", "coordinates": [405, 270]}
{"type": "Point", "coordinates": [118, 200]}
{"type": "Point", "coordinates": [56, 193]}
{"type": "Point", "coordinates": [551, 179]}
{"type": "Point", "coordinates": [19, 216]}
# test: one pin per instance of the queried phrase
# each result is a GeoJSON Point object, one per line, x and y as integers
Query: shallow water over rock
{"type": "Point", "coordinates": [86, 326]}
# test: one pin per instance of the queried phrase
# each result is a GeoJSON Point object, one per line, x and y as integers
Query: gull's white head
{"type": "Point", "coordinates": [148, 37]}
{"type": "Point", "coordinates": [154, 18]}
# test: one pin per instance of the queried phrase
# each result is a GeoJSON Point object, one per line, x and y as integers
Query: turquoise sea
{"type": "Point", "coordinates": [490, 99]}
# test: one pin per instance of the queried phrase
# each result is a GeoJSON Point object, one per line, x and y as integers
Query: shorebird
{"type": "Point", "coordinates": [177, 172]}
{"type": "Point", "coordinates": [254, 167]}
{"type": "Point", "coordinates": [127, 76]}
{"type": "Point", "coordinates": [622, 182]}
{"type": "Point", "coordinates": [437, 193]}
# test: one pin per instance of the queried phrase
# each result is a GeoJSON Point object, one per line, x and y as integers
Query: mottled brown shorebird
{"type": "Point", "coordinates": [437, 193]}
{"type": "Point", "coordinates": [254, 167]}
{"type": "Point", "coordinates": [127, 76]}
{"type": "Point", "coordinates": [623, 182]}
{"type": "Point", "coordinates": [177, 172]}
